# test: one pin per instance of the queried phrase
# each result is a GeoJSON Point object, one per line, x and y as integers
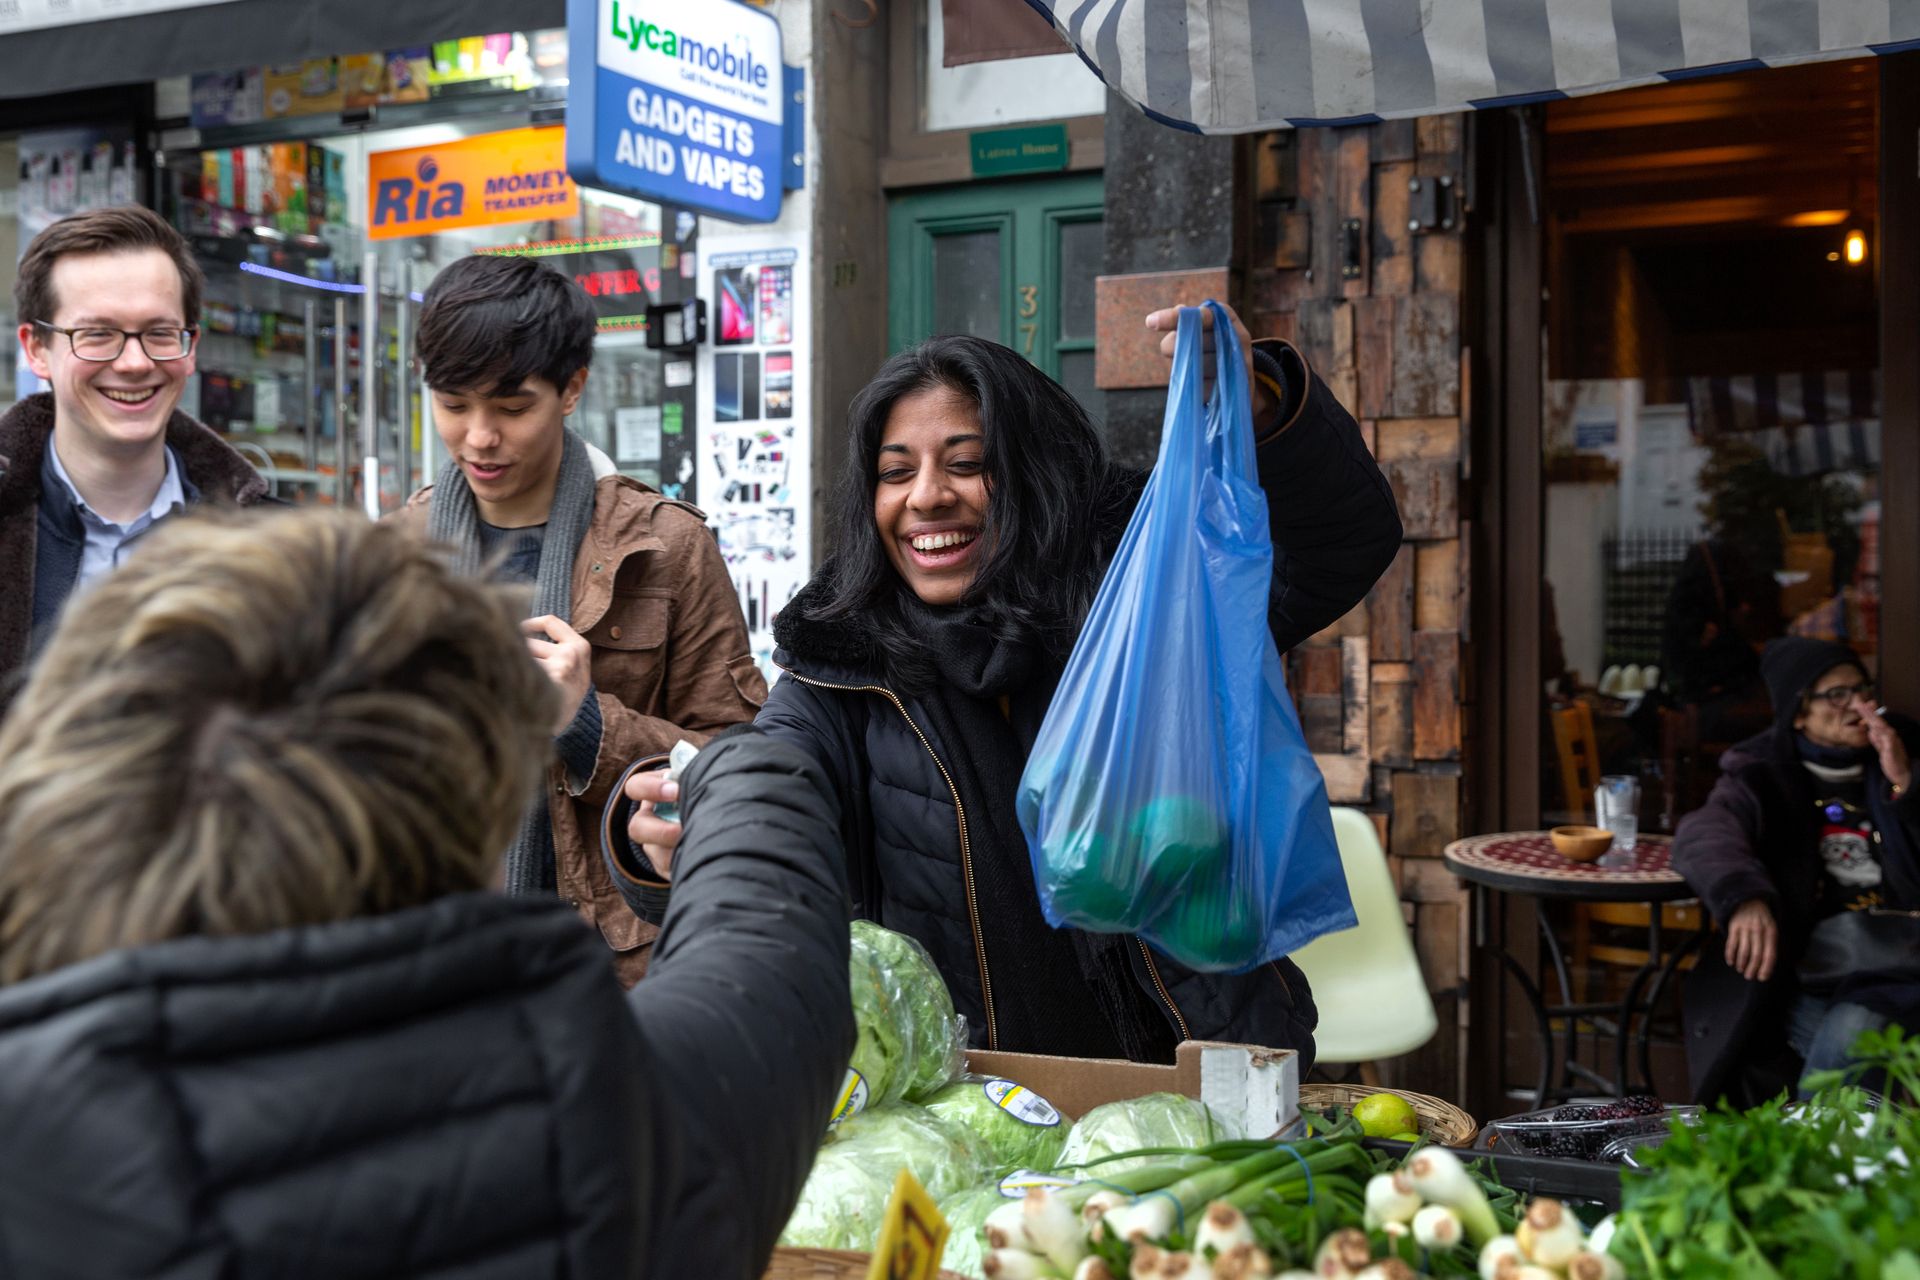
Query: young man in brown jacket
{"type": "Point", "coordinates": [634, 617]}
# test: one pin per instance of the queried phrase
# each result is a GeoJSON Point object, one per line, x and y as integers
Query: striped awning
{"type": "Point", "coordinates": [1805, 423]}
{"type": "Point", "coordinates": [1233, 66]}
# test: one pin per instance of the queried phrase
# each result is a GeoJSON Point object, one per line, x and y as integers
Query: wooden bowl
{"type": "Point", "coordinates": [1581, 844]}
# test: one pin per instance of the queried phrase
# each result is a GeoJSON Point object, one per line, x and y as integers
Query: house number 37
{"type": "Point", "coordinates": [1029, 308]}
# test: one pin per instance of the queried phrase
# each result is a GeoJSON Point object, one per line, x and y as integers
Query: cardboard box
{"type": "Point", "coordinates": [1254, 1089]}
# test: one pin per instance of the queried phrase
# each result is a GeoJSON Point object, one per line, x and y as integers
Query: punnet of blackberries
{"type": "Point", "coordinates": [1580, 1130]}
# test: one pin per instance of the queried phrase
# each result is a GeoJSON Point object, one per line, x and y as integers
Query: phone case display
{"type": "Point", "coordinates": [776, 304]}
{"type": "Point", "coordinates": [754, 474]}
{"type": "Point", "coordinates": [736, 301]}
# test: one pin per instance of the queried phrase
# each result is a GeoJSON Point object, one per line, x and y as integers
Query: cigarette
{"type": "Point", "coordinates": [1880, 711]}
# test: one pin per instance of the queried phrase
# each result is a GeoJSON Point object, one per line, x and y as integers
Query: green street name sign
{"type": "Point", "coordinates": [1040, 148]}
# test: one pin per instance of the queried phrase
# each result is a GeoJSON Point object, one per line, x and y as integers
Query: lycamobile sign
{"type": "Point", "coordinates": [687, 104]}
{"type": "Point", "coordinates": [636, 30]}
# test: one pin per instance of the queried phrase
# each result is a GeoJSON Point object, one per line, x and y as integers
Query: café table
{"type": "Point", "coordinates": [1525, 863]}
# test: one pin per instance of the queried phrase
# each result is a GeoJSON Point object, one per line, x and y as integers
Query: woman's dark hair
{"type": "Point", "coordinates": [1047, 475]}
{"type": "Point", "coordinates": [490, 322]}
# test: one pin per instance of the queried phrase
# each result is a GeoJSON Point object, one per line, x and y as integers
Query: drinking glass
{"type": "Point", "coordinates": [1616, 806]}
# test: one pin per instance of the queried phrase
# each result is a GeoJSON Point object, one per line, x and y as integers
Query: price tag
{"type": "Point", "coordinates": [853, 1098]}
{"type": "Point", "coordinates": [913, 1235]}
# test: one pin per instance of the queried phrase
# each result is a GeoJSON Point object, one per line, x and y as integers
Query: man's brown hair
{"type": "Point", "coordinates": [260, 723]}
{"type": "Point", "coordinates": [121, 229]}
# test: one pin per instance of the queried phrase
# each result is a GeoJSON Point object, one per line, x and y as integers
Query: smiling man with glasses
{"type": "Point", "coordinates": [108, 303]}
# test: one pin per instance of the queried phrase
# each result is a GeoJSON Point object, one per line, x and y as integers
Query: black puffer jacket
{"type": "Point", "coordinates": [458, 1090]}
{"type": "Point", "coordinates": [1335, 530]}
{"type": "Point", "coordinates": [1758, 838]}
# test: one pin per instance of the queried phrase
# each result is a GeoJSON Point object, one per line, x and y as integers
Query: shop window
{"type": "Point", "coordinates": [1712, 415]}
{"type": "Point", "coordinates": [282, 228]}
{"type": "Point", "coordinates": [1004, 86]}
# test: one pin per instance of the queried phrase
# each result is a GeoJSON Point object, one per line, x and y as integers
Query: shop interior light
{"type": "Point", "coordinates": [1856, 247]}
{"type": "Point", "coordinates": [289, 277]}
{"type": "Point", "coordinates": [1818, 218]}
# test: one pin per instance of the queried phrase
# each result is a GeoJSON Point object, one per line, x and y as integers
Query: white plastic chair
{"type": "Point", "coordinates": [1366, 981]}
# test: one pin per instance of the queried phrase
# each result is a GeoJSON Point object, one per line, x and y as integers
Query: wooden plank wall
{"type": "Point", "coordinates": [1381, 693]}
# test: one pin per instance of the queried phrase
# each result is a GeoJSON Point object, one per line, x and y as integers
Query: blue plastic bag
{"type": "Point", "coordinates": [1170, 793]}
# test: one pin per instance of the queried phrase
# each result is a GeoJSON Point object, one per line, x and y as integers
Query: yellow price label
{"type": "Point", "coordinates": [913, 1235]}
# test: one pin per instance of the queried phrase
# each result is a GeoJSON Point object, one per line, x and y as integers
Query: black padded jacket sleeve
{"type": "Point", "coordinates": [1334, 522]}
{"type": "Point", "coordinates": [744, 1008]}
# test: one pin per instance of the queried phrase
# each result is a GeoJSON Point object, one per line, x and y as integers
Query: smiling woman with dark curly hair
{"type": "Point", "coordinates": [976, 515]}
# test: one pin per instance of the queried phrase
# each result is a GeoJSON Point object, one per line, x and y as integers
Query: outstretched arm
{"type": "Point", "coordinates": [744, 1008]}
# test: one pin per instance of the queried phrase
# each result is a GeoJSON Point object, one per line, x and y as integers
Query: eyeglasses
{"type": "Point", "coordinates": [1841, 694]}
{"type": "Point", "coordinates": [105, 345]}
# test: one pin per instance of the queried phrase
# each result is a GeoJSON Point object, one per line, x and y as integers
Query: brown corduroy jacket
{"type": "Point", "coordinates": [670, 660]}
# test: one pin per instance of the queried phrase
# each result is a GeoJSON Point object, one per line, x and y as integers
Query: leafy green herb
{"type": "Point", "coordinates": [1827, 1189]}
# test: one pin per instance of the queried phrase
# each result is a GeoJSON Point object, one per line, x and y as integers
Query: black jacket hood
{"type": "Point", "coordinates": [438, 1091]}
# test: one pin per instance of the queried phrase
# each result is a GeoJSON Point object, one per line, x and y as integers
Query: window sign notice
{"type": "Point", "coordinates": [686, 104]}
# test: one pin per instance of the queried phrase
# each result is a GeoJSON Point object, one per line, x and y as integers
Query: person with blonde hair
{"type": "Point", "coordinates": [261, 1012]}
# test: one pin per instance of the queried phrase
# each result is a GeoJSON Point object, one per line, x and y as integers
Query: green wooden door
{"type": "Point", "coordinates": [1010, 261]}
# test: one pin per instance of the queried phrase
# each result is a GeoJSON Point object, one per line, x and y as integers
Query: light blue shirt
{"type": "Point", "coordinates": [107, 542]}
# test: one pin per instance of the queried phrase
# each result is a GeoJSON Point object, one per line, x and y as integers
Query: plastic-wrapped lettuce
{"type": "Point", "coordinates": [966, 1215]}
{"type": "Point", "coordinates": [1156, 1120]}
{"type": "Point", "coordinates": [930, 1041]}
{"type": "Point", "coordinates": [1021, 1129]}
{"type": "Point", "coordinates": [875, 1075]}
{"type": "Point", "coordinates": [842, 1205]}
{"type": "Point", "coordinates": [944, 1156]}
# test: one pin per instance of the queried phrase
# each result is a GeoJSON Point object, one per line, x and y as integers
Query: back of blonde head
{"type": "Point", "coordinates": [298, 718]}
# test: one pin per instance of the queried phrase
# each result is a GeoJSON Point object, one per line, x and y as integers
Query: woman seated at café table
{"type": "Point", "coordinates": [1807, 854]}
{"type": "Point", "coordinates": [977, 513]}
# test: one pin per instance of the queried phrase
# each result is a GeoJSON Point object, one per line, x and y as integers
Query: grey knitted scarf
{"type": "Point", "coordinates": [453, 518]}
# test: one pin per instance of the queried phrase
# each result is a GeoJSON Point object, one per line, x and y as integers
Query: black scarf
{"type": "Point", "coordinates": [1062, 991]}
{"type": "Point", "coordinates": [1831, 757]}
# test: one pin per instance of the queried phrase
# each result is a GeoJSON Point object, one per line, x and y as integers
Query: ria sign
{"type": "Point", "coordinates": [687, 103]}
{"type": "Point", "coordinates": [489, 179]}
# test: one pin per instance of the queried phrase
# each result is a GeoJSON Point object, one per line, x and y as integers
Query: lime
{"type": "Point", "coordinates": [1382, 1115]}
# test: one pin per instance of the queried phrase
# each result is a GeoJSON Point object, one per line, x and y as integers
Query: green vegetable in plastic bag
{"type": "Point", "coordinates": [933, 1039]}
{"type": "Point", "coordinates": [846, 1194]}
{"type": "Point", "coordinates": [966, 1214]}
{"type": "Point", "coordinates": [944, 1156]}
{"type": "Point", "coordinates": [876, 1076]}
{"type": "Point", "coordinates": [842, 1205]}
{"type": "Point", "coordinates": [1156, 1120]}
{"type": "Point", "coordinates": [1020, 1128]}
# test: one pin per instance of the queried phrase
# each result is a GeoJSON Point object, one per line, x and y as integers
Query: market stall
{"type": "Point", "coordinates": [1221, 1166]}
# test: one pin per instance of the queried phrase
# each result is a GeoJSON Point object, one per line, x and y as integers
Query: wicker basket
{"type": "Point", "coordinates": [1441, 1122]}
{"type": "Point", "coordinates": [824, 1264]}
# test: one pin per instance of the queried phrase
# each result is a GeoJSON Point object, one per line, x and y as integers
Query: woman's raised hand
{"type": "Point", "coordinates": [1167, 321]}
